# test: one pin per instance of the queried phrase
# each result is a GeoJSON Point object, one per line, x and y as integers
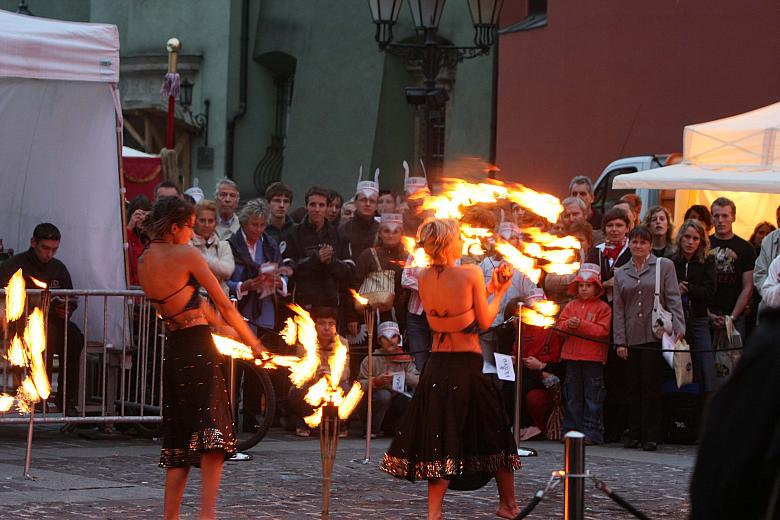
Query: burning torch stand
{"type": "Point", "coordinates": [239, 456]}
{"type": "Point", "coordinates": [329, 441]}
{"type": "Point", "coordinates": [45, 303]}
{"type": "Point", "coordinates": [523, 452]}
{"type": "Point", "coordinates": [370, 321]}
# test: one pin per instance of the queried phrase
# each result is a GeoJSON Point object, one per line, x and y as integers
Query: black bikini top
{"type": "Point", "coordinates": [192, 304]}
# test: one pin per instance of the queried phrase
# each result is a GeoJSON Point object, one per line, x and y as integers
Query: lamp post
{"type": "Point", "coordinates": [432, 54]}
{"type": "Point", "coordinates": [200, 121]}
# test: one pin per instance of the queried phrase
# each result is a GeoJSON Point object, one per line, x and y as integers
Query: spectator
{"type": "Point", "coordinates": [360, 232]}
{"type": "Point", "coordinates": [216, 252]}
{"type": "Point", "coordinates": [633, 327]}
{"type": "Point", "coordinates": [418, 332]}
{"type": "Point", "coordinates": [574, 211]}
{"type": "Point", "coordinates": [521, 288]}
{"type": "Point", "coordinates": [325, 319]}
{"type": "Point", "coordinates": [542, 373]}
{"type": "Point", "coordinates": [584, 388]}
{"type": "Point", "coordinates": [255, 283]}
{"type": "Point", "coordinates": [582, 187]}
{"type": "Point", "coordinates": [702, 214]}
{"type": "Point", "coordinates": [297, 215]}
{"type": "Point", "coordinates": [770, 249]}
{"type": "Point", "coordinates": [415, 191]}
{"type": "Point", "coordinates": [166, 189]}
{"type": "Point", "coordinates": [771, 288]}
{"type": "Point", "coordinates": [761, 230]}
{"type": "Point", "coordinates": [387, 202]}
{"type": "Point", "coordinates": [734, 261]}
{"type": "Point", "coordinates": [318, 258]}
{"type": "Point", "coordinates": [227, 202]}
{"type": "Point", "coordinates": [659, 221]}
{"type": "Point", "coordinates": [697, 280]}
{"type": "Point", "coordinates": [279, 197]}
{"type": "Point", "coordinates": [556, 286]}
{"type": "Point", "coordinates": [636, 202]}
{"type": "Point", "coordinates": [137, 239]}
{"type": "Point", "coordinates": [611, 255]}
{"type": "Point", "coordinates": [347, 212]}
{"type": "Point", "coordinates": [388, 255]}
{"type": "Point", "coordinates": [388, 405]}
{"type": "Point", "coordinates": [614, 252]}
{"type": "Point", "coordinates": [38, 262]}
{"type": "Point", "coordinates": [630, 209]}
{"type": "Point", "coordinates": [334, 208]}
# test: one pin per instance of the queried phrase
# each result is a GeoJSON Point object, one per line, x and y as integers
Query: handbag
{"type": "Point", "coordinates": [683, 366]}
{"type": "Point", "coordinates": [662, 318]}
{"type": "Point", "coordinates": [378, 288]}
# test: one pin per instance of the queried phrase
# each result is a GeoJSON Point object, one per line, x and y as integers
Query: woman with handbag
{"type": "Point", "coordinates": [697, 279]}
{"type": "Point", "coordinates": [646, 305]}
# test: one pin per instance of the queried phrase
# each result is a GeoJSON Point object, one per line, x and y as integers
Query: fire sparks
{"type": "Point", "coordinates": [26, 351]}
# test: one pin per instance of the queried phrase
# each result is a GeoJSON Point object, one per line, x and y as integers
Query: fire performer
{"type": "Point", "coordinates": [197, 422]}
{"type": "Point", "coordinates": [456, 431]}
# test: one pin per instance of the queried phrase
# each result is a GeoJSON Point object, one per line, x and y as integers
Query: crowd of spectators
{"type": "Point", "coordinates": [599, 370]}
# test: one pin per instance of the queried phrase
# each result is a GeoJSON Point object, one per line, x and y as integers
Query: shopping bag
{"type": "Point", "coordinates": [725, 342]}
{"type": "Point", "coordinates": [683, 366]}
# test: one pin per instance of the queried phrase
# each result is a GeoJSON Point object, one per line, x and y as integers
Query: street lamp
{"type": "Point", "coordinates": [431, 53]}
{"type": "Point", "coordinates": [200, 121]}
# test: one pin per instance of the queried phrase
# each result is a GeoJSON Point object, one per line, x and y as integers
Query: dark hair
{"type": "Point", "coordinates": [642, 232]}
{"type": "Point", "coordinates": [582, 228]}
{"type": "Point", "coordinates": [335, 195]}
{"type": "Point", "coordinates": [634, 200]}
{"type": "Point", "coordinates": [387, 192]}
{"type": "Point", "coordinates": [723, 202]}
{"type": "Point", "coordinates": [46, 231]}
{"type": "Point", "coordinates": [701, 211]}
{"type": "Point", "coordinates": [166, 212]}
{"type": "Point", "coordinates": [318, 190]}
{"type": "Point", "coordinates": [759, 226]}
{"type": "Point", "coordinates": [277, 189]}
{"type": "Point", "coordinates": [138, 202]}
{"type": "Point", "coordinates": [166, 184]}
{"type": "Point", "coordinates": [319, 313]}
{"type": "Point", "coordinates": [615, 214]}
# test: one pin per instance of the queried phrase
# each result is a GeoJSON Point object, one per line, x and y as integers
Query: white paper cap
{"type": "Point", "coordinates": [388, 329]}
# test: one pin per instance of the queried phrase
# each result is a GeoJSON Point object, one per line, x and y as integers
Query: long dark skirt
{"type": "Point", "coordinates": [455, 426]}
{"type": "Point", "coordinates": [196, 413]}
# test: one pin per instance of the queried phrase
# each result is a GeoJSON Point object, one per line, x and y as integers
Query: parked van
{"type": "Point", "coordinates": [605, 196]}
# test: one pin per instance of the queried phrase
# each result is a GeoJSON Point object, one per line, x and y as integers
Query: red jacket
{"type": "Point", "coordinates": [541, 343]}
{"type": "Point", "coordinates": [595, 321]}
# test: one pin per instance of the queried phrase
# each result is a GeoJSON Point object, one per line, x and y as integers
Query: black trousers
{"type": "Point", "coordinates": [55, 344]}
{"type": "Point", "coordinates": [645, 375]}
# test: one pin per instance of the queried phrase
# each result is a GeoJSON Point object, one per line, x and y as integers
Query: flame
{"type": "Point", "coordinates": [541, 313]}
{"type": "Point", "coordinates": [360, 299]}
{"type": "Point", "coordinates": [419, 256]}
{"type": "Point", "coordinates": [38, 283]}
{"type": "Point", "coordinates": [26, 351]}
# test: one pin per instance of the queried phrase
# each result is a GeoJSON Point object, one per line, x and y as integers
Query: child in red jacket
{"type": "Point", "coordinates": [584, 390]}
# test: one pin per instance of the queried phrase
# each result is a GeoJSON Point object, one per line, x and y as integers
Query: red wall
{"type": "Point", "coordinates": [612, 78]}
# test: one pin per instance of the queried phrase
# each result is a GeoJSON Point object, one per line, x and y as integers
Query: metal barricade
{"type": "Point", "coordinates": [120, 364]}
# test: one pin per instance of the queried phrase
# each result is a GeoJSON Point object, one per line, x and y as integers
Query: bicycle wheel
{"type": "Point", "coordinates": [262, 402]}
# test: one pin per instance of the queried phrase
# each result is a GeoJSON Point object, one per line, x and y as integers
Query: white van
{"type": "Point", "coordinates": [605, 195]}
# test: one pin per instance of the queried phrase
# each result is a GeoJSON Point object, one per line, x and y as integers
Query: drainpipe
{"type": "Point", "coordinates": [231, 126]}
{"type": "Point", "coordinates": [494, 109]}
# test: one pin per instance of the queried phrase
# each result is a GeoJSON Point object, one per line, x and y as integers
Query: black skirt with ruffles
{"type": "Point", "coordinates": [196, 409]}
{"type": "Point", "coordinates": [455, 426]}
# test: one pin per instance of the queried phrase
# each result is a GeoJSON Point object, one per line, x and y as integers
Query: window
{"type": "Point", "coordinates": [605, 195]}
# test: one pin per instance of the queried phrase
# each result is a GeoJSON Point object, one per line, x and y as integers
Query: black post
{"type": "Point", "coordinates": [574, 486]}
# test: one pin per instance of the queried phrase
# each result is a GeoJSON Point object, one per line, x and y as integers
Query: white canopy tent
{"type": "Point", "coordinates": [736, 157]}
{"type": "Point", "coordinates": [60, 141]}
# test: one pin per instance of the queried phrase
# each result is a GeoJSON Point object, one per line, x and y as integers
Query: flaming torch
{"type": "Point", "coordinates": [25, 352]}
{"type": "Point", "coordinates": [362, 302]}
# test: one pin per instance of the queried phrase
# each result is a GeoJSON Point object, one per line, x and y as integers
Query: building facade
{"type": "Point", "coordinates": [294, 90]}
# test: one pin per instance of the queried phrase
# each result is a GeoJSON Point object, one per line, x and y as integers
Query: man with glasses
{"type": "Point", "coordinates": [227, 196]}
{"type": "Point", "coordinates": [582, 187]}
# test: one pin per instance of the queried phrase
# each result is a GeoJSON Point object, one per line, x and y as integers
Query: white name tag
{"type": "Point", "coordinates": [505, 367]}
{"type": "Point", "coordinates": [399, 382]}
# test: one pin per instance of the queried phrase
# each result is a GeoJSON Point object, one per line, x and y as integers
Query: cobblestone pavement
{"type": "Point", "coordinates": [118, 479]}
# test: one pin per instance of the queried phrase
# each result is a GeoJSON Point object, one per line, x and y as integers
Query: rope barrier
{"type": "Point", "coordinates": [604, 488]}
{"type": "Point", "coordinates": [555, 479]}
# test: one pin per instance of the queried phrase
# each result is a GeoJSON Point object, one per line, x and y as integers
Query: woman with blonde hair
{"type": "Point", "coordinates": [216, 252]}
{"type": "Point", "coordinates": [456, 433]}
{"type": "Point", "coordinates": [659, 221]}
{"type": "Point", "coordinates": [698, 278]}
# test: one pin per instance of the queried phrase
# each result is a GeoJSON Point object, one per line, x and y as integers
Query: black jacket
{"type": "Point", "coordinates": [739, 454]}
{"type": "Point", "coordinates": [359, 234]}
{"type": "Point", "coordinates": [315, 283]}
{"type": "Point", "coordinates": [54, 273]}
{"type": "Point", "coordinates": [702, 283]}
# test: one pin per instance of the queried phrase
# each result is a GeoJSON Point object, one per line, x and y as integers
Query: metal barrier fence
{"type": "Point", "coordinates": [121, 342]}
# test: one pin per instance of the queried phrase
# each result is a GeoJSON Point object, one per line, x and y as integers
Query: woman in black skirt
{"type": "Point", "coordinates": [456, 430]}
{"type": "Point", "coordinates": [197, 422]}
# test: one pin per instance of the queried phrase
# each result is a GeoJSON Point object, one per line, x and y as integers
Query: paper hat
{"type": "Point", "coordinates": [368, 188]}
{"type": "Point", "coordinates": [508, 229]}
{"type": "Point", "coordinates": [414, 185]}
{"type": "Point", "coordinates": [391, 220]}
{"type": "Point", "coordinates": [196, 193]}
{"type": "Point", "coordinates": [388, 329]}
{"type": "Point", "coordinates": [587, 273]}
